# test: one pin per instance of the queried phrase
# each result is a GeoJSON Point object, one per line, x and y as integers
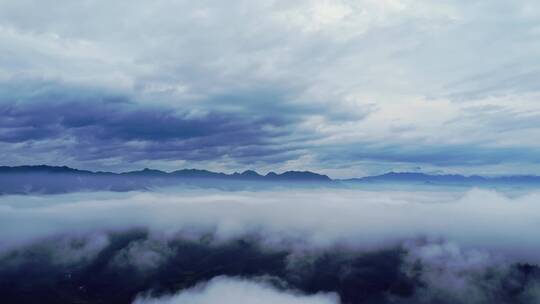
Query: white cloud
{"type": "Point", "coordinates": [234, 290]}
{"type": "Point", "coordinates": [361, 219]}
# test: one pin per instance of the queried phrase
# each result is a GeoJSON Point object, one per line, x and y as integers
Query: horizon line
{"type": "Point", "coordinates": [278, 173]}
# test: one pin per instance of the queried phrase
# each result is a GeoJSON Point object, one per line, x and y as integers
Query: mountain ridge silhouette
{"type": "Point", "coordinates": [63, 179]}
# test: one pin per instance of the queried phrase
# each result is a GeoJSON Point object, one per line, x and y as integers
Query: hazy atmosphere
{"type": "Point", "coordinates": [295, 152]}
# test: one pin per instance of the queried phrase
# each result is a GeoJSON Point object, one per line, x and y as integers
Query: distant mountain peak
{"type": "Point", "coordinates": [250, 173]}
{"type": "Point", "coordinates": [299, 176]}
{"type": "Point", "coordinates": [40, 168]}
{"type": "Point", "coordinates": [247, 174]}
{"type": "Point", "coordinates": [146, 171]}
{"type": "Point", "coordinates": [448, 179]}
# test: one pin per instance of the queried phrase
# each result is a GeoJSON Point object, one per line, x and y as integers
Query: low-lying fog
{"type": "Point", "coordinates": [279, 246]}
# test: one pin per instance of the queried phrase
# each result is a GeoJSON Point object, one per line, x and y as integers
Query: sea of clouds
{"type": "Point", "coordinates": [275, 246]}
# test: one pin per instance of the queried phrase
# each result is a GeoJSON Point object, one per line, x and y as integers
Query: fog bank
{"type": "Point", "coordinates": [479, 219]}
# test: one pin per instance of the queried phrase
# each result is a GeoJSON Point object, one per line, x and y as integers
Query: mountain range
{"type": "Point", "coordinates": [54, 179]}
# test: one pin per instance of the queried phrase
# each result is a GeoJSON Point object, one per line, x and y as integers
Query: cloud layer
{"type": "Point", "coordinates": [109, 127]}
{"type": "Point", "coordinates": [350, 87]}
{"type": "Point", "coordinates": [233, 290]}
{"type": "Point", "coordinates": [363, 219]}
{"type": "Point", "coordinates": [338, 246]}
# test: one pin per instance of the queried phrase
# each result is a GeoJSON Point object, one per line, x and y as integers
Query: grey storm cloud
{"type": "Point", "coordinates": [93, 125]}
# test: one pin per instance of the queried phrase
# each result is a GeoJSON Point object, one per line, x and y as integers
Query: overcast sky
{"type": "Point", "coordinates": [346, 88]}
